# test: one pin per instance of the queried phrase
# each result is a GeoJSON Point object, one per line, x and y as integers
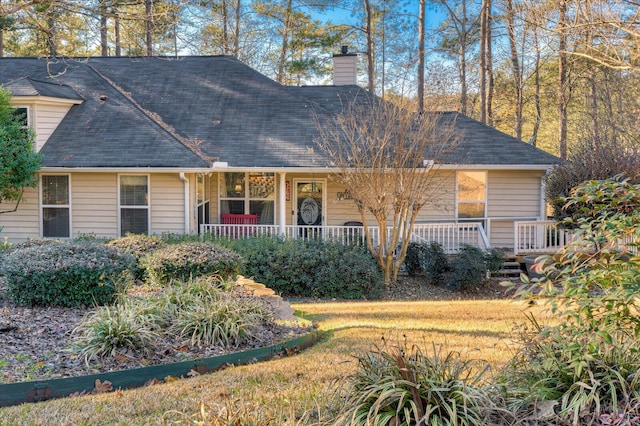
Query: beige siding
{"type": "Point", "coordinates": [167, 200]}
{"type": "Point", "coordinates": [442, 200]}
{"type": "Point", "coordinates": [94, 204]}
{"type": "Point", "coordinates": [513, 194]}
{"type": "Point", "coordinates": [45, 119]}
{"type": "Point", "coordinates": [23, 224]}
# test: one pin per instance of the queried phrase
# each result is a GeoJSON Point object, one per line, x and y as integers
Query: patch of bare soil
{"type": "Point", "coordinates": [36, 344]}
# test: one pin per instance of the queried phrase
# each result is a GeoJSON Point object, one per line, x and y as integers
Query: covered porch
{"type": "Point", "coordinates": [475, 208]}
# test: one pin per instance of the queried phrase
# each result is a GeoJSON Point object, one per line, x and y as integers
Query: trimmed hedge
{"type": "Point", "coordinates": [311, 268]}
{"type": "Point", "coordinates": [68, 274]}
{"type": "Point", "coordinates": [138, 245]}
{"type": "Point", "coordinates": [190, 260]}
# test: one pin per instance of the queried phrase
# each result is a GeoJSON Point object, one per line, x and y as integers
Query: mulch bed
{"type": "Point", "coordinates": [36, 340]}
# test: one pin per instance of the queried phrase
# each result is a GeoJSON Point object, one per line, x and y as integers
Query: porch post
{"type": "Point", "coordinates": [282, 205]}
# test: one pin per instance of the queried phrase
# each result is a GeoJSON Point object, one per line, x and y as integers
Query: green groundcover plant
{"type": "Point", "coordinates": [587, 365]}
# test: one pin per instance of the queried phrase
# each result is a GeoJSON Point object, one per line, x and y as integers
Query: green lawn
{"type": "Point", "coordinates": [296, 387]}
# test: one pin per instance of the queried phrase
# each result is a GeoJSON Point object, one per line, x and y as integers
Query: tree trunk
{"type": "Point", "coordinates": [483, 62]}
{"type": "Point", "coordinates": [148, 29]}
{"type": "Point", "coordinates": [236, 39]}
{"type": "Point", "coordinates": [104, 48]}
{"type": "Point", "coordinates": [225, 25]}
{"type": "Point", "coordinates": [116, 28]}
{"type": "Point", "coordinates": [489, 64]}
{"type": "Point", "coordinates": [562, 79]}
{"type": "Point", "coordinates": [51, 34]}
{"type": "Point", "coordinates": [536, 96]}
{"type": "Point", "coordinates": [370, 46]}
{"type": "Point", "coordinates": [515, 67]}
{"type": "Point", "coordinates": [421, 30]}
{"type": "Point", "coordinates": [463, 59]}
{"type": "Point", "coordinates": [285, 42]}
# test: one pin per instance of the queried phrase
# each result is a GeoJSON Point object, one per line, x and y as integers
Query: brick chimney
{"type": "Point", "coordinates": [345, 70]}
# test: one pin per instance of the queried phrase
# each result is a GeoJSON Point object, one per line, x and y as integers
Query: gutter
{"type": "Point", "coordinates": [187, 222]}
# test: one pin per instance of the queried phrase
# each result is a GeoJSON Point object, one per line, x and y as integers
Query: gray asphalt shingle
{"type": "Point", "coordinates": [191, 111]}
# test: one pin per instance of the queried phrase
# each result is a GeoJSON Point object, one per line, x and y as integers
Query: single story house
{"type": "Point", "coordinates": [196, 144]}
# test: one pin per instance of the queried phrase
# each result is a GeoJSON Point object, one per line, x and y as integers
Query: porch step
{"type": "Point", "coordinates": [511, 269]}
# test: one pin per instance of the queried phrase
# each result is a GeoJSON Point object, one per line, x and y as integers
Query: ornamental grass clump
{"type": "Point", "coordinates": [407, 386]}
{"type": "Point", "coordinates": [190, 260]}
{"type": "Point", "coordinates": [70, 274]}
{"type": "Point", "coordinates": [226, 321]}
{"type": "Point", "coordinates": [126, 327]}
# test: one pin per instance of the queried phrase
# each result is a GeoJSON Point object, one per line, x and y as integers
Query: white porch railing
{"type": "Point", "coordinates": [539, 237]}
{"type": "Point", "coordinates": [450, 235]}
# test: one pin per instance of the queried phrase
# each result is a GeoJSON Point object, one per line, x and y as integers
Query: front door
{"type": "Point", "coordinates": [309, 202]}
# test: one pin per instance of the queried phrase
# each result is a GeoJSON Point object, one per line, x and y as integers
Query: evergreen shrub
{"type": "Point", "coordinates": [190, 260]}
{"type": "Point", "coordinates": [66, 273]}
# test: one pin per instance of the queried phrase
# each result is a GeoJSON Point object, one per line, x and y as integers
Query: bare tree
{"type": "Point", "coordinates": [422, 19]}
{"type": "Point", "coordinates": [387, 157]}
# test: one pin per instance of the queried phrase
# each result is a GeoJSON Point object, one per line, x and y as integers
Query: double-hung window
{"type": "Point", "coordinates": [21, 114]}
{"type": "Point", "coordinates": [134, 204]}
{"type": "Point", "coordinates": [472, 194]}
{"type": "Point", "coordinates": [56, 206]}
{"type": "Point", "coordinates": [248, 193]}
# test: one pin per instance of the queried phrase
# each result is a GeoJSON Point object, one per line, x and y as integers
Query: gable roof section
{"type": "Point", "coordinates": [242, 117]}
{"type": "Point", "coordinates": [26, 86]}
{"type": "Point", "coordinates": [479, 145]}
{"type": "Point", "coordinates": [106, 130]}
{"type": "Point", "coordinates": [484, 145]}
{"type": "Point", "coordinates": [187, 112]}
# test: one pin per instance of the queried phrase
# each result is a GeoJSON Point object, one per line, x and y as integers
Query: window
{"type": "Point", "coordinates": [248, 193]}
{"type": "Point", "coordinates": [134, 205]}
{"type": "Point", "coordinates": [202, 193]}
{"type": "Point", "coordinates": [472, 194]}
{"type": "Point", "coordinates": [21, 114]}
{"type": "Point", "coordinates": [55, 206]}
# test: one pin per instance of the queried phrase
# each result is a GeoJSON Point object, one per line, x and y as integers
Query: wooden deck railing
{"type": "Point", "coordinates": [540, 237]}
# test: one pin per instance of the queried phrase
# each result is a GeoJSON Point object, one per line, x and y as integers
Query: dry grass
{"type": "Point", "coordinates": [294, 390]}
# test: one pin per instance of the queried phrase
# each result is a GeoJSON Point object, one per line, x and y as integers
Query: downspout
{"type": "Point", "coordinates": [187, 224]}
{"type": "Point", "coordinates": [282, 217]}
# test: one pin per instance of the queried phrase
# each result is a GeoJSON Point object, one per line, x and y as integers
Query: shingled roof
{"type": "Point", "coordinates": [189, 112]}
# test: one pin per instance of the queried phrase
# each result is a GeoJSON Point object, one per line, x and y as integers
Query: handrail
{"type": "Point", "coordinates": [450, 235]}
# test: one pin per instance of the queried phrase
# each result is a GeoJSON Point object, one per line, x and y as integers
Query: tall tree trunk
{"type": "Point", "coordinates": [489, 64]}
{"type": "Point", "coordinates": [104, 48]}
{"type": "Point", "coordinates": [536, 95]}
{"type": "Point", "coordinates": [1, 42]}
{"type": "Point", "coordinates": [594, 106]}
{"type": "Point", "coordinates": [236, 39]}
{"type": "Point", "coordinates": [483, 62]}
{"type": "Point", "coordinates": [116, 29]}
{"type": "Point", "coordinates": [486, 64]}
{"type": "Point", "coordinates": [515, 67]}
{"type": "Point", "coordinates": [148, 27]}
{"type": "Point", "coordinates": [562, 79]}
{"type": "Point", "coordinates": [370, 46]}
{"type": "Point", "coordinates": [51, 34]}
{"type": "Point", "coordinates": [422, 19]}
{"type": "Point", "coordinates": [285, 42]}
{"type": "Point", "coordinates": [225, 26]}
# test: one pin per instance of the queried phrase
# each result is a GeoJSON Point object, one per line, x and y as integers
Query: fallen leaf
{"type": "Point", "coordinates": [170, 379]}
{"type": "Point", "coordinates": [102, 387]}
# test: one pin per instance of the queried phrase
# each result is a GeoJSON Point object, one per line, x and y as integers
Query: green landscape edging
{"type": "Point", "coordinates": [42, 390]}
